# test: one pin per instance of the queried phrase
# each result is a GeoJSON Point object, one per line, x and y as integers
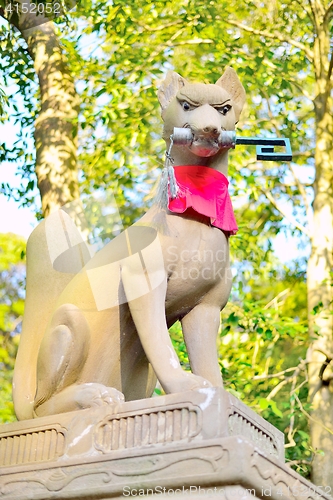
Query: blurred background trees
{"type": "Point", "coordinates": [12, 277]}
{"type": "Point", "coordinates": [84, 86]}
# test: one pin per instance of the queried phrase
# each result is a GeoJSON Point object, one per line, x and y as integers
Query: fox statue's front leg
{"type": "Point", "coordinates": [148, 313]}
{"type": "Point", "coordinates": [200, 329]}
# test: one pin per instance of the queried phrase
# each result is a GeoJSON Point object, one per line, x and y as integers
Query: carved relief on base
{"type": "Point", "coordinates": [112, 475]}
{"type": "Point", "coordinates": [283, 481]}
{"type": "Point", "coordinates": [35, 445]}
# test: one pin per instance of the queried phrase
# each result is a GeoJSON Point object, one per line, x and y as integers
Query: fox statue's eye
{"type": "Point", "coordinates": [185, 105]}
{"type": "Point", "coordinates": [224, 109]}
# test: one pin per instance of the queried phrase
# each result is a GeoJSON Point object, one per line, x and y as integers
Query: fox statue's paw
{"type": "Point", "coordinates": [92, 394]}
{"type": "Point", "coordinates": [77, 397]}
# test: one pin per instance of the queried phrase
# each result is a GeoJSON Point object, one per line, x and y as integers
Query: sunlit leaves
{"type": "Point", "coordinates": [12, 271]}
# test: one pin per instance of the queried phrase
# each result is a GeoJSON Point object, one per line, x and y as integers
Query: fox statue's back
{"type": "Point", "coordinates": [44, 284]}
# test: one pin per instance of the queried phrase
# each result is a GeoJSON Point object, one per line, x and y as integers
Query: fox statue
{"type": "Point", "coordinates": [95, 328]}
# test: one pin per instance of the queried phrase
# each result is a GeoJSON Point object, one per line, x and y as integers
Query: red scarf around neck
{"type": "Point", "coordinates": [206, 191]}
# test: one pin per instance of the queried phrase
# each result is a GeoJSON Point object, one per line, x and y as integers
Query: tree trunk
{"type": "Point", "coordinates": [320, 294]}
{"type": "Point", "coordinates": [320, 266]}
{"type": "Point", "coordinates": [56, 126]}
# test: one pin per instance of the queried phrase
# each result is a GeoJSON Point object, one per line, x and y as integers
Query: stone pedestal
{"type": "Point", "coordinates": [200, 444]}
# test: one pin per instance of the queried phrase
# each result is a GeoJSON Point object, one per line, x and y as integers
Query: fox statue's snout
{"type": "Point", "coordinates": [206, 127]}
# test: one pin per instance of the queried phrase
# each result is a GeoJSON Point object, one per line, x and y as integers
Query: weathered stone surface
{"type": "Point", "coordinates": [204, 443]}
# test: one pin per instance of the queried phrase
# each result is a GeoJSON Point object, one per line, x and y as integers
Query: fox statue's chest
{"type": "Point", "coordinates": [196, 260]}
{"type": "Point", "coordinates": [199, 249]}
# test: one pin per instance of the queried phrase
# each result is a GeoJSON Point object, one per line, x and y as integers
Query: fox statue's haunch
{"type": "Point", "coordinates": [98, 333]}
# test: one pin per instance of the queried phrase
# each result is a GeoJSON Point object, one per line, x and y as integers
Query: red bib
{"type": "Point", "coordinates": [206, 191]}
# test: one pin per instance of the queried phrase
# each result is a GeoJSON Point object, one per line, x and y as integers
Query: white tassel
{"type": "Point", "coordinates": [168, 181]}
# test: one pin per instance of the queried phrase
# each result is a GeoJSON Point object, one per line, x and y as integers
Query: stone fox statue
{"type": "Point", "coordinates": [95, 328]}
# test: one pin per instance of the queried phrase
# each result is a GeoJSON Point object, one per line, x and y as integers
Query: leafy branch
{"type": "Point", "coordinates": [284, 213]}
{"type": "Point", "coordinates": [275, 36]}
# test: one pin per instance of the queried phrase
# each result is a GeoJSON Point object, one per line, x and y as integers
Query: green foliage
{"type": "Point", "coordinates": [20, 84]}
{"type": "Point", "coordinates": [12, 271]}
{"type": "Point", "coordinates": [262, 353]}
{"type": "Point", "coordinates": [3, 101]}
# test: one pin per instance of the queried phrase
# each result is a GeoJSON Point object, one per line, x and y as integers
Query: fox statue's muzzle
{"type": "Point", "coordinates": [185, 137]}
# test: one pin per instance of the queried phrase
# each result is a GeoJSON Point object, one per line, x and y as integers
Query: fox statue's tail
{"type": "Point", "coordinates": [56, 252]}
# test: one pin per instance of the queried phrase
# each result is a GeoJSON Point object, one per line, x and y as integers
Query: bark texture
{"type": "Point", "coordinates": [56, 125]}
{"type": "Point", "coordinates": [320, 265]}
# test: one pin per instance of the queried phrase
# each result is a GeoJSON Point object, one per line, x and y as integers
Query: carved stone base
{"type": "Point", "coordinates": [201, 444]}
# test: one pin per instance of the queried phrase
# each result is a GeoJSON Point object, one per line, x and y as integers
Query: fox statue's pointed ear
{"type": "Point", "coordinates": [231, 83]}
{"type": "Point", "coordinates": [169, 88]}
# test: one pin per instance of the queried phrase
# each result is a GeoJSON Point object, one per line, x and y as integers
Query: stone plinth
{"type": "Point", "coordinates": [203, 443]}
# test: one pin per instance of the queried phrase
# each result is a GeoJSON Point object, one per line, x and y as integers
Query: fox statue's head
{"type": "Point", "coordinates": [206, 110]}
